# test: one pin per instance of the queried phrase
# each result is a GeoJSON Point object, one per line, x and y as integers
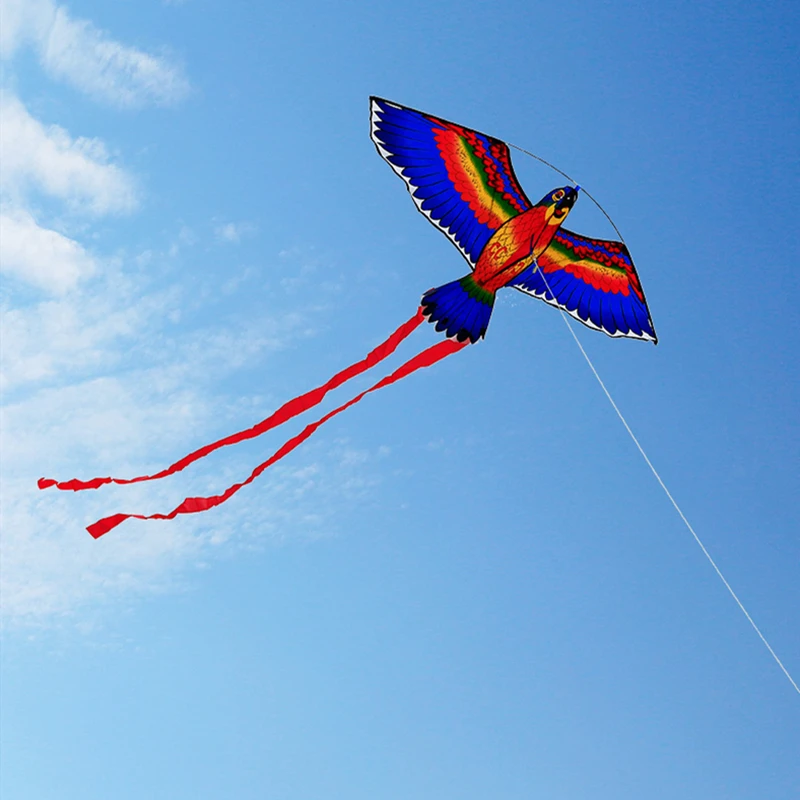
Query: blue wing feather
{"type": "Point", "coordinates": [406, 139]}
{"type": "Point", "coordinates": [574, 287]}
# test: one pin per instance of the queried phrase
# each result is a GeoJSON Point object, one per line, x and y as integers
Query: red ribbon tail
{"type": "Point", "coordinates": [286, 412]}
{"type": "Point", "coordinates": [192, 505]}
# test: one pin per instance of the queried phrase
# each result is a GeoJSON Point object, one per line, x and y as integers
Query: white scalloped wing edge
{"type": "Point", "coordinates": [645, 337]}
{"type": "Point", "coordinates": [375, 120]}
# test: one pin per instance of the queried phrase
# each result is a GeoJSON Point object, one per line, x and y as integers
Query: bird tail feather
{"type": "Point", "coordinates": [461, 309]}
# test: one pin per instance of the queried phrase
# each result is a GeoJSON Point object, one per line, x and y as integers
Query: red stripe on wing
{"type": "Point", "coordinates": [603, 264]}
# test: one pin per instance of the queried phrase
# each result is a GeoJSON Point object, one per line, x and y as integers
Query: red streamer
{"type": "Point", "coordinates": [286, 412]}
{"type": "Point", "coordinates": [192, 505]}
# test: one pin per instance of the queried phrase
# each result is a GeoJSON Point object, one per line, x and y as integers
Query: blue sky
{"type": "Point", "coordinates": [469, 585]}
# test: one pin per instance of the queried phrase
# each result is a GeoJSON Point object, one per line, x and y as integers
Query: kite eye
{"type": "Point", "coordinates": [559, 195]}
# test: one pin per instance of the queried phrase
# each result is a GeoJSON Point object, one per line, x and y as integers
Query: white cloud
{"type": "Point", "coordinates": [39, 256]}
{"type": "Point", "coordinates": [18, 20]}
{"type": "Point", "coordinates": [88, 58]}
{"type": "Point", "coordinates": [96, 384]}
{"type": "Point", "coordinates": [73, 413]}
{"type": "Point", "coordinates": [130, 424]}
{"type": "Point", "coordinates": [233, 231]}
{"type": "Point", "coordinates": [72, 335]}
{"type": "Point", "coordinates": [48, 159]}
{"type": "Point", "coordinates": [99, 327]}
{"type": "Point", "coordinates": [92, 378]}
{"type": "Point", "coordinates": [52, 568]}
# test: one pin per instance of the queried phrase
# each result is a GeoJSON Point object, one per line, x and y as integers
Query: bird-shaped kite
{"type": "Point", "coordinates": [463, 182]}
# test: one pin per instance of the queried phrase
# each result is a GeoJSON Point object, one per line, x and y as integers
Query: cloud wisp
{"type": "Point", "coordinates": [99, 381]}
{"type": "Point", "coordinates": [95, 372]}
{"type": "Point", "coordinates": [78, 53]}
{"type": "Point", "coordinates": [233, 232]}
{"type": "Point", "coordinates": [45, 162]}
{"type": "Point", "coordinates": [53, 571]}
{"type": "Point", "coordinates": [45, 158]}
{"type": "Point", "coordinates": [44, 258]}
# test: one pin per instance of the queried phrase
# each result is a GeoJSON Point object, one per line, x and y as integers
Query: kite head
{"type": "Point", "coordinates": [558, 203]}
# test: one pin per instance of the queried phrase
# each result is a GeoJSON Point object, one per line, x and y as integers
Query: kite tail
{"type": "Point", "coordinates": [461, 309]}
{"type": "Point", "coordinates": [286, 412]}
{"type": "Point", "coordinates": [192, 505]}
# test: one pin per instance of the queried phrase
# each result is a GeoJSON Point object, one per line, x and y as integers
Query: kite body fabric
{"type": "Point", "coordinates": [463, 182]}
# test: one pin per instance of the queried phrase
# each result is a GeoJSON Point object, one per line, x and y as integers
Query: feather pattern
{"type": "Point", "coordinates": [595, 281]}
{"type": "Point", "coordinates": [460, 179]}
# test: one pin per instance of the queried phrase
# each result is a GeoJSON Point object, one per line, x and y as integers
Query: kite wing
{"type": "Point", "coordinates": [593, 280]}
{"type": "Point", "coordinates": [461, 180]}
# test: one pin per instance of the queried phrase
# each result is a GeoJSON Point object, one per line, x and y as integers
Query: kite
{"type": "Point", "coordinates": [463, 182]}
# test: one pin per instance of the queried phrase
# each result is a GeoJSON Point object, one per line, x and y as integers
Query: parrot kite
{"type": "Point", "coordinates": [463, 182]}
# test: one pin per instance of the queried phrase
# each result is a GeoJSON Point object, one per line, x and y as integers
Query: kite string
{"type": "Point", "coordinates": [636, 441]}
{"type": "Point", "coordinates": [633, 436]}
{"type": "Point", "coordinates": [675, 504]}
{"type": "Point", "coordinates": [572, 180]}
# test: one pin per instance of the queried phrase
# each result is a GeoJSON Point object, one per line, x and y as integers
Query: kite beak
{"type": "Point", "coordinates": [566, 202]}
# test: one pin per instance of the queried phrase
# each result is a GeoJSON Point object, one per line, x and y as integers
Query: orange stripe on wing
{"type": "Point", "coordinates": [612, 278]}
{"type": "Point", "coordinates": [468, 178]}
